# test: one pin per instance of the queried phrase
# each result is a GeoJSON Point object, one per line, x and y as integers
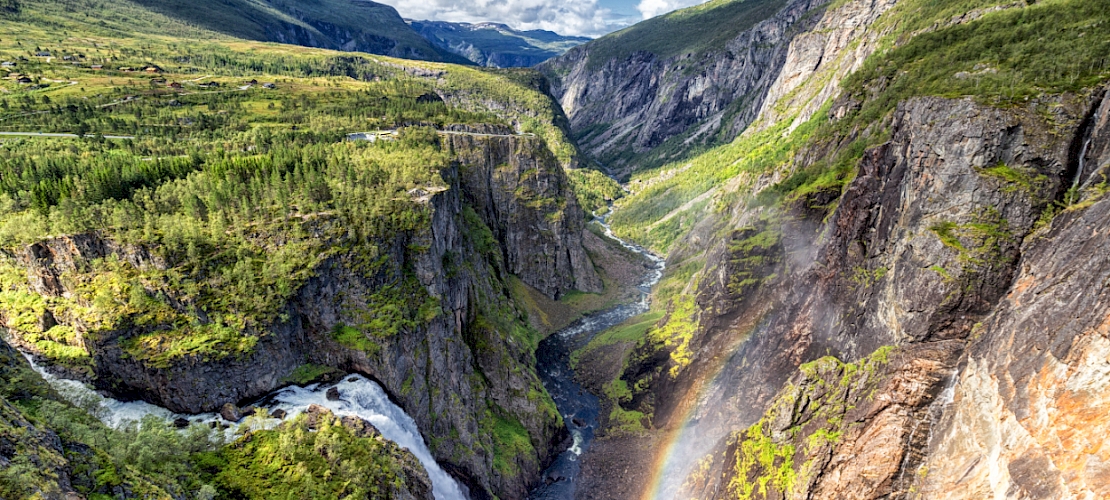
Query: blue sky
{"type": "Point", "coordinates": [626, 7]}
{"type": "Point", "coordinates": [569, 17]}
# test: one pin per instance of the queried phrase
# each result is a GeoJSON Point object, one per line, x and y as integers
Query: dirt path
{"type": "Point", "coordinates": [71, 136]}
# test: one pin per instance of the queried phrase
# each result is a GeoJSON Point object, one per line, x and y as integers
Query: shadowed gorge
{"type": "Point", "coordinates": [749, 249]}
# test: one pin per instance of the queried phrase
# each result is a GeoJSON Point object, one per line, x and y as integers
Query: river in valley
{"type": "Point", "coordinates": [579, 407]}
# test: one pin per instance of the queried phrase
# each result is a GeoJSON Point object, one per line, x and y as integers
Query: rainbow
{"type": "Point", "coordinates": [668, 460]}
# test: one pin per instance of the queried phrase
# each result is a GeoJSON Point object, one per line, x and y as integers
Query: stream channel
{"type": "Point", "coordinates": [580, 408]}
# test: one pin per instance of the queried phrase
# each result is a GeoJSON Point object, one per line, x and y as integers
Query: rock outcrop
{"type": "Point", "coordinates": [523, 195]}
{"type": "Point", "coordinates": [416, 485]}
{"type": "Point", "coordinates": [1029, 413]}
{"type": "Point", "coordinates": [836, 430]}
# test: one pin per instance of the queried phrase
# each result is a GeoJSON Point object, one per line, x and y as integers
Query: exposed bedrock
{"type": "Point", "coordinates": [936, 244]}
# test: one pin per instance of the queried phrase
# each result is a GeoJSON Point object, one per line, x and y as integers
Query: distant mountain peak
{"type": "Point", "coordinates": [496, 44]}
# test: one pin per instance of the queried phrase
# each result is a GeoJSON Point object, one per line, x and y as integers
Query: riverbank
{"type": "Point", "coordinates": [582, 408]}
{"type": "Point", "coordinates": [621, 270]}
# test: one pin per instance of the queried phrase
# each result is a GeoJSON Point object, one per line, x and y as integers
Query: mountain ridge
{"type": "Point", "coordinates": [350, 25]}
{"type": "Point", "coordinates": [639, 98]}
{"type": "Point", "coordinates": [496, 44]}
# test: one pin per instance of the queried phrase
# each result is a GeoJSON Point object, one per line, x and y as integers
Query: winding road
{"type": "Point", "coordinates": [356, 136]}
{"type": "Point", "coordinates": [391, 134]}
{"type": "Point", "coordinates": [53, 134]}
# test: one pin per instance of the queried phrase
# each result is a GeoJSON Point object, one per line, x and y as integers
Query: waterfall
{"type": "Point", "coordinates": [359, 397]}
{"type": "Point", "coordinates": [362, 398]}
{"type": "Point", "coordinates": [1086, 146]}
{"type": "Point", "coordinates": [932, 415]}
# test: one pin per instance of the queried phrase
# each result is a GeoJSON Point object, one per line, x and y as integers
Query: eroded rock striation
{"type": "Point", "coordinates": [1030, 404]}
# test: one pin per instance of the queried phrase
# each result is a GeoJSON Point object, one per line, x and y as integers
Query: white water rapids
{"type": "Point", "coordinates": [359, 397]}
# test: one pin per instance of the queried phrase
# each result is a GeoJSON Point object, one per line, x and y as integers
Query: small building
{"type": "Point", "coordinates": [209, 85]}
{"type": "Point", "coordinates": [126, 69]}
{"type": "Point", "coordinates": [42, 53]}
{"type": "Point", "coordinates": [158, 81]}
{"type": "Point", "coordinates": [152, 69]}
{"type": "Point", "coordinates": [69, 58]}
{"type": "Point", "coordinates": [7, 64]}
{"type": "Point", "coordinates": [175, 85]}
{"type": "Point", "coordinates": [269, 85]}
{"type": "Point", "coordinates": [97, 67]}
{"type": "Point", "coordinates": [23, 80]}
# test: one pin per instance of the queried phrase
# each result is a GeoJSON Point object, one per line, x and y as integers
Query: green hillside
{"type": "Point", "coordinates": [213, 145]}
{"type": "Point", "coordinates": [687, 31]}
{"type": "Point", "coordinates": [223, 165]}
{"type": "Point", "coordinates": [334, 24]}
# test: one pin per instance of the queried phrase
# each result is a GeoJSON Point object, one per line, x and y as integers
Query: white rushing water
{"type": "Point", "coordinates": [110, 411]}
{"type": "Point", "coordinates": [359, 397]}
{"type": "Point", "coordinates": [1086, 147]}
{"type": "Point", "coordinates": [658, 262]}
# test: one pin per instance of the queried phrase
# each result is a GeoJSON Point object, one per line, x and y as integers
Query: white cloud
{"type": "Point", "coordinates": [652, 8]}
{"type": "Point", "coordinates": [568, 17]}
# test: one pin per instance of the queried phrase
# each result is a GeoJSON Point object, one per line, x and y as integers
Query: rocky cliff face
{"type": "Point", "coordinates": [1028, 415]}
{"type": "Point", "coordinates": [818, 59]}
{"type": "Point", "coordinates": [523, 195]}
{"type": "Point", "coordinates": [932, 247]}
{"type": "Point", "coordinates": [465, 365]}
{"type": "Point", "coordinates": [848, 339]}
{"type": "Point", "coordinates": [629, 106]}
